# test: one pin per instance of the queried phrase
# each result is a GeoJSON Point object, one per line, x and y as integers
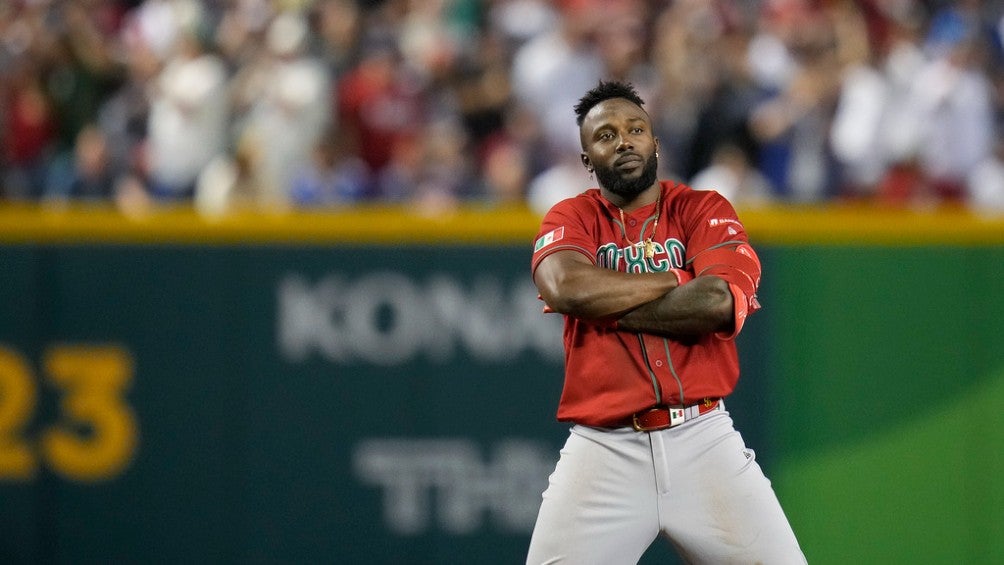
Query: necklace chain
{"type": "Point", "coordinates": [647, 243]}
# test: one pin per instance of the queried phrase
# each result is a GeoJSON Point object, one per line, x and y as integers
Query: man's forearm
{"type": "Point", "coordinates": [588, 292]}
{"type": "Point", "coordinates": [700, 307]}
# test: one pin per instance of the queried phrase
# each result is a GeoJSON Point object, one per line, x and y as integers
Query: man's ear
{"type": "Point", "coordinates": [586, 163]}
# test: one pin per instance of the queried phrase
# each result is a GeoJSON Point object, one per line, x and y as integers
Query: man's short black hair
{"type": "Point", "coordinates": [605, 91]}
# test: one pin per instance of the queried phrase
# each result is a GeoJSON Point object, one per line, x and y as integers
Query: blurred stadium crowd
{"type": "Point", "coordinates": [274, 104]}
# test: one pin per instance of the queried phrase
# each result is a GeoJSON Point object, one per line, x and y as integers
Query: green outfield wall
{"type": "Point", "coordinates": [372, 386]}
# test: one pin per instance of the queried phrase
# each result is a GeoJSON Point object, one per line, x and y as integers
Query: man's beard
{"type": "Point", "coordinates": [615, 182]}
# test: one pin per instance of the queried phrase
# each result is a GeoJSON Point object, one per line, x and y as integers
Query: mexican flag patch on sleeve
{"type": "Point", "coordinates": [548, 238]}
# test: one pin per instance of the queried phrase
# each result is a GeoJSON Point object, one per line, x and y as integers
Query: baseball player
{"type": "Point", "coordinates": [654, 280]}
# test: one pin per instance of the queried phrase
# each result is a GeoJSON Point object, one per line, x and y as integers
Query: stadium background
{"type": "Point", "coordinates": [265, 267]}
{"type": "Point", "coordinates": [320, 388]}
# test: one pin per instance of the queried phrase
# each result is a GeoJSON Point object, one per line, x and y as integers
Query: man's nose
{"type": "Point", "coordinates": [624, 144]}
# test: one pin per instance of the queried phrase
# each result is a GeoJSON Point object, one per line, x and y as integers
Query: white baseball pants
{"type": "Point", "coordinates": [614, 490]}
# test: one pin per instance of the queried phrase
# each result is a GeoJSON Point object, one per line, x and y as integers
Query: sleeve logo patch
{"type": "Point", "coordinates": [723, 221]}
{"type": "Point", "coordinates": [548, 238]}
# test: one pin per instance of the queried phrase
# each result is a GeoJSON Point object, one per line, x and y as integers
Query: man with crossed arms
{"type": "Point", "coordinates": [655, 280]}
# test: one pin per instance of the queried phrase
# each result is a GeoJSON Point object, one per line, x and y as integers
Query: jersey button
{"type": "Point", "coordinates": [633, 222]}
{"type": "Point", "coordinates": [658, 363]}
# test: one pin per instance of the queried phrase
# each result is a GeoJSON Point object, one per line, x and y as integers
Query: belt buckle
{"type": "Point", "coordinates": [636, 425]}
{"type": "Point", "coordinates": [676, 416]}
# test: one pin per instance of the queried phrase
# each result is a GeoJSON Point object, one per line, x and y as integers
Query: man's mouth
{"type": "Point", "coordinates": [629, 161]}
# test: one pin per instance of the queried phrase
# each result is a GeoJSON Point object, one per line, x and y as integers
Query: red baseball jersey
{"type": "Point", "coordinates": [610, 373]}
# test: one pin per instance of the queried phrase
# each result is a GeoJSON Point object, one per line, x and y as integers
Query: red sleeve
{"type": "Point", "coordinates": [718, 245]}
{"type": "Point", "coordinates": [563, 229]}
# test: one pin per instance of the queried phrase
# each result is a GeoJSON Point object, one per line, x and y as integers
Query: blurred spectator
{"type": "Point", "coordinates": [482, 91]}
{"type": "Point", "coordinates": [900, 60]}
{"type": "Point", "coordinates": [230, 183]}
{"type": "Point", "coordinates": [239, 34]}
{"type": "Point", "coordinates": [88, 174]}
{"type": "Point", "coordinates": [521, 20]}
{"type": "Point", "coordinates": [189, 110]}
{"type": "Point", "coordinates": [985, 184]}
{"type": "Point", "coordinates": [622, 43]}
{"type": "Point", "coordinates": [861, 106]}
{"type": "Point", "coordinates": [505, 173]}
{"type": "Point", "coordinates": [289, 108]}
{"type": "Point", "coordinates": [125, 114]}
{"type": "Point", "coordinates": [269, 104]}
{"type": "Point", "coordinates": [591, 40]}
{"type": "Point", "coordinates": [379, 110]}
{"type": "Point", "coordinates": [337, 34]}
{"type": "Point", "coordinates": [551, 69]}
{"type": "Point", "coordinates": [562, 180]}
{"type": "Point", "coordinates": [446, 176]}
{"type": "Point", "coordinates": [791, 126]}
{"type": "Point", "coordinates": [81, 69]}
{"type": "Point", "coordinates": [30, 137]}
{"type": "Point", "coordinates": [517, 144]}
{"type": "Point", "coordinates": [731, 174]}
{"type": "Point", "coordinates": [706, 91]}
{"type": "Point", "coordinates": [952, 105]}
{"type": "Point", "coordinates": [334, 176]}
{"type": "Point", "coordinates": [429, 40]}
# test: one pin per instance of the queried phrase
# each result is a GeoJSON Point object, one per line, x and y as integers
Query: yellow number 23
{"type": "Point", "coordinates": [95, 436]}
